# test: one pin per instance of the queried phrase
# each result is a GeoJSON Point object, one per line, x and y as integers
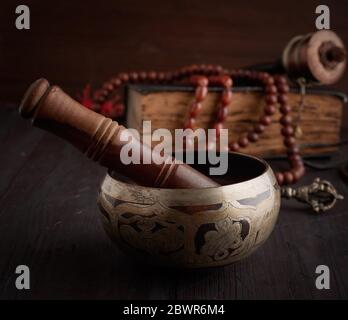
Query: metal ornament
{"type": "Point", "coordinates": [321, 195]}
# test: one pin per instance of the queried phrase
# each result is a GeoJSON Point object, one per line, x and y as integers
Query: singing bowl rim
{"type": "Point", "coordinates": [267, 168]}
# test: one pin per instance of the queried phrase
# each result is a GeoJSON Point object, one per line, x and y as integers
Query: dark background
{"type": "Point", "coordinates": [75, 42]}
{"type": "Point", "coordinates": [48, 213]}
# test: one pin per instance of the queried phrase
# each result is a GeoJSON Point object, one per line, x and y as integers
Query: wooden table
{"type": "Point", "coordinates": [49, 221]}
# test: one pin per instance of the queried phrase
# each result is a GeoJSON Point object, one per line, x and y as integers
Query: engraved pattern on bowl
{"type": "Point", "coordinates": [191, 227]}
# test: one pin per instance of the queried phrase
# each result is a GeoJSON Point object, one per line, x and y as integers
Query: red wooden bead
{"type": "Point", "coordinates": [152, 75]}
{"type": "Point", "coordinates": [289, 141]}
{"type": "Point", "coordinates": [96, 93]}
{"type": "Point", "coordinates": [263, 76]}
{"type": "Point", "coordinates": [271, 89]}
{"type": "Point", "coordinates": [209, 68]}
{"type": "Point", "coordinates": [295, 175]}
{"type": "Point", "coordinates": [99, 98]}
{"type": "Point", "coordinates": [197, 68]}
{"type": "Point", "coordinates": [298, 172]}
{"type": "Point", "coordinates": [295, 158]}
{"type": "Point", "coordinates": [183, 72]}
{"type": "Point", "coordinates": [201, 67]}
{"type": "Point", "coordinates": [253, 136]}
{"type": "Point", "coordinates": [287, 131]}
{"type": "Point", "coordinates": [117, 82]}
{"type": "Point", "coordinates": [246, 73]}
{"type": "Point", "coordinates": [237, 73]}
{"type": "Point", "coordinates": [108, 86]}
{"type": "Point", "coordinates": [269, 81]}
{"type": "Point", "coordinates": [270, 109]}
{"type": "Point", "coordinates": [206, 71]}
{"type": "Point", "coordinates": [285, 109]}
{"type": "Point", "coordinates": [222, 115]}
{"type": "Point", "coordinates": [193, 68]}
{"type": "Point", "coordinates": [253, 75]}
{"type": "Point", "coordinates": [243, 142]}
{"type": "Point", "coordinates": [199, 81]}
{"type": "Point", "coordinates": [283, 88]}
{"type": "Point", "coordinates": [280, 178]}
{"type": "Point", "coordinates": [124, 77]}
{"type": "Point", "coordinates": [296, 163]}
{"type": "Point", "coordinates": [196, 107]}
{"type": "Point", "coordinates": [281, 80]}
{"type": "Point", "coordinates": [301, 170]}
{"type": "Point", "coordinates": [293, 150]}
{"type": "Point", "coordinates": [176, 75]}
{"type": "Point", "coordinates": [226, 81]}
{"type": "Point", "coordinates": [259, 128]}
{"type": "Point", "coordinates": [133, 76]}
{"type": "Point", "coordinates": [168, 76]}
{"type": "Point", "coordinates": [226, 97]}
{"type": "Point", "coordinates": [161, 76]}
{"type": "Point", "coordinates": [282, 98]}
{"type": "Point", "coordinates": [234, 146]}
{"type": "Point", "coordinates": [259, 76]}
{"type": "Point", "coordinates": [214, 80]}
{"type": "Point", "coordinates": [271, 99]}
{"type": "Point", "coordinates": [104, 92]}
{"type": "Point", "coordinates": [201, 93]}
{"type": "Point", "coordinates": [190, 122]}
{"type": "Point", "coordinates": [218, 69]}
{"type": "Point", "coordinates": [142, 76]}
{"type": "Point", "coordinates": [266, 120]}
{"type": "Point", "coordinates": [203, 81]}
{"type": "Point", "coordinates": [218, 126]}
{"type": "Point", "coordinates": [285, 120]}
{"type": "Point", "coordinates": [288, 177]}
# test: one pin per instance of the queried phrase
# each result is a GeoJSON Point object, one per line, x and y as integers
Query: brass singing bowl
{"type": "Point", "coordinates": [194, 228]}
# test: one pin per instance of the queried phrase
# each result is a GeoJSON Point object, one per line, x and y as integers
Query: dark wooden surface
{"type": "Point", "coordinates": [75, 42]}
{"type": "Point", "coordinates": [50, 222]}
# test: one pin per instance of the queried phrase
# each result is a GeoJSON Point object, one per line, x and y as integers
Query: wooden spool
{"type": "Point", "coordinates": [318, 57]}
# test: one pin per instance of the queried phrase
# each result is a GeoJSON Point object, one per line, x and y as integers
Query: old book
{"type": "Point", "coordinates": [167, 107]}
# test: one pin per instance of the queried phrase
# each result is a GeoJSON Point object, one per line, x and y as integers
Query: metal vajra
{"type": "Point", "coordinates": [321, 195]}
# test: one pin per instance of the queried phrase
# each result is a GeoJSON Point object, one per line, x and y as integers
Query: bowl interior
{"type": "Point", "coordinates": [241, 167]}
